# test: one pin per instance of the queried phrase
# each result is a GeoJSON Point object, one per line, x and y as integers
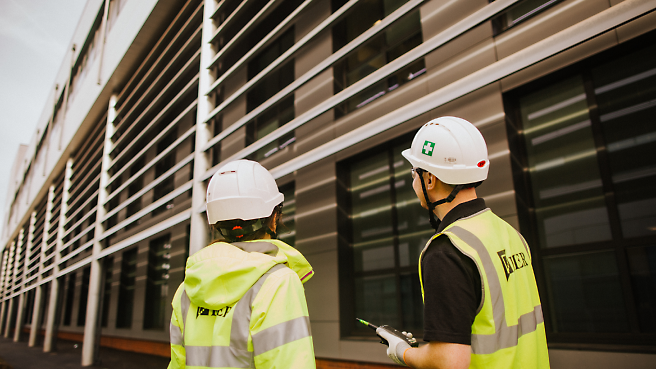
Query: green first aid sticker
{"type": "Point", "coordinates": [428, 148]}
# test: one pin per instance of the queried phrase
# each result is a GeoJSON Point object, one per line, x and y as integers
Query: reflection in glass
{"type": "Point", "coordinates": [371, 213]}
{"type": "Point", "coordinates": [396, 40]}
{"type": "Point", "coordinates": [585, 293]}
{"type": "Point", "coordinates": [389, 230]}
{"type": "Point", "coordinates": [626, 96]}
{"type": "Point", "coordinates": [563, 167]}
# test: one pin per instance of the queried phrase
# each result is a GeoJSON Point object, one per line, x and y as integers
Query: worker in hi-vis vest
{"type": "Point", "coordinates": [242, 302]}
{"type": "Point", "coordinates": [481, 302]}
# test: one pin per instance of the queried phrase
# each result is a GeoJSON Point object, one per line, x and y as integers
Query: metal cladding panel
{"type": "Point", "coordinates": [436, 16]}
{"type": "Point", "coordinates": [568, 57]}
{"type": "Point", "coordinates": [552, 21]}
{"type": "Point", "coordinates": [637, 27]}
{"type": "Point", "coordinates": [323, 304]}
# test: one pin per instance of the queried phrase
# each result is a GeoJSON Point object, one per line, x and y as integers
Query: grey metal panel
{"type": "Point", "coordinates": [460, 57]}
{"type": "Point", "coordinates": [315, 132]}
{"type": "Point", "coordinates": [587, 29]}
{"type": "Point", "coordinates": [233, 143]}
{"type": "Point", "coordinates": [325, 336]}
{"type": "Point", "coordinates": [559, 61]}
{"type": "Point", "coordinates": [436, 16]}
{"type": "Point", "coordinates": [636, 28]}
{"type": "Point", "coordinates": [322, 291]}
{"type": "Point", "coordinates": [318, 49]}
{"type": "Point", "coordinates": [546, 24]}
{"type": "Point", "coordinates": [387, 103]}
{"type": "Point", "coordinates": [319, 88]}
{"type": "Point", "coordinates": [232, 83]}
{"type": "Point", "coordinates": [316, 205]}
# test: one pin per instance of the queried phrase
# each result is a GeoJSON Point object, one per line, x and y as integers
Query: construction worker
{"type": "Point", "coordinates": [481, 302]}
{"type": "Point", "coordinates": [242, 303]}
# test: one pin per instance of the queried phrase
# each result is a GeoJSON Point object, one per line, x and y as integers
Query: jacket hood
{"type": "Point", "coordinates": [221, 273]}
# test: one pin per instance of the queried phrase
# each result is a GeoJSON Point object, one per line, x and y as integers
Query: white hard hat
{"type": "Point", "coordinates": [241, 189]}
{"type": "Point", "coordinates": [450, 148]}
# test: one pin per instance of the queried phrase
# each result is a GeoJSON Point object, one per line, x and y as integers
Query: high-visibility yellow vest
{"type": "Point", "coordinates": [243, 305]}
{"type": "Point", "coordinates": [508, 330]}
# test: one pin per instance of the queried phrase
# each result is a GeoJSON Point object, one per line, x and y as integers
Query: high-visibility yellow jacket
{"type": "Point", "coordinates": [508, 330]}
{"type": "Point", "coordinates": [242, 305]}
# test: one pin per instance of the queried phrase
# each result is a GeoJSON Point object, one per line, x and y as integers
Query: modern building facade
{"type": "Point", "coordinates": [107, 201]}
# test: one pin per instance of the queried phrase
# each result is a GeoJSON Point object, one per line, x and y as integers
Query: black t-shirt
{"type": "Point", "coordinates": [452, 284]}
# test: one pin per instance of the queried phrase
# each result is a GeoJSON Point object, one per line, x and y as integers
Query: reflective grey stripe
{"type": "Point", "coordinates": [236, 355]}
{"type": "Point", "coordinates": [267, 248]}
{"type": "Point", "coordinates": [215, 357]}
{"type": "Point", "coordinates": [184, 303]}
{"type": "Point", "coordinates": [505, 336]}
{"type": "Point", "coordinates": [176, 335]}
{"type": "Point", "coordinates": [281, 334]}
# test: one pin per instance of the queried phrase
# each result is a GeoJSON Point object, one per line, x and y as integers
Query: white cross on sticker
{"type": "Point", "coordinates": [428, 148]}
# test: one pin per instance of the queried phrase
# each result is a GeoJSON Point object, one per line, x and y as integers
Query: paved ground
{"type": "Point", "coordinates": [69, 356]}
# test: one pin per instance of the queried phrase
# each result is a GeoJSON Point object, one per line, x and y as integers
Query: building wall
{"type": "Point", "coordinates": [122, 161]}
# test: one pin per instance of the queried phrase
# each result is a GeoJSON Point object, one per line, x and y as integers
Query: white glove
{"type": "Point", "coordinates": [396, 345]}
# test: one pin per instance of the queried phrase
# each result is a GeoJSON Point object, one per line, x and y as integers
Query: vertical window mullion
{"type": "Point", "coordinates": [611, 203]}
{"type": "Point", "coordinates": [602, 157]}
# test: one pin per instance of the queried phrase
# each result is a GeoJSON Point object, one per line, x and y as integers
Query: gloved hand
{"type": "Point", "coordinates": [396, 341]}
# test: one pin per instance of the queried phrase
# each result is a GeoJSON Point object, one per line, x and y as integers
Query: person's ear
{"type": "Point", "coordinates": [431, 182]}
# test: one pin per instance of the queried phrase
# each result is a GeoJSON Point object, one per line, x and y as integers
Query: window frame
{"type": "Point", "coordinates": [346, 272]}
{"type": "Point", "coordinates": [633, 340]}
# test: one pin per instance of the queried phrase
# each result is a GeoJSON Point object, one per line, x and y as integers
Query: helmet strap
{"type": "Point", "coordinates": [432, 205]}
{"type": "Point", "coordinates": [271, 233]}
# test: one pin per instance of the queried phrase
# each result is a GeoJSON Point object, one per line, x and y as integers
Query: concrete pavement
{"type": "Point", "coordinates": [69, 355]}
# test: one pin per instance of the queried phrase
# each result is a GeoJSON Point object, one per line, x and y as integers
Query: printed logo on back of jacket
{"type": "Point", "coordinates": [221, 312]}
{"type": "Point", "coordinates": [513, 262]}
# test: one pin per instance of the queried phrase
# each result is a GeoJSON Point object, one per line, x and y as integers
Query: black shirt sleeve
{"type": "Point", "coordinates": [452, 293]}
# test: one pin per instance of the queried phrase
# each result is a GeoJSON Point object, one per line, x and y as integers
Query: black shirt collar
{"type": "Point", "coordinates": [463, 210]}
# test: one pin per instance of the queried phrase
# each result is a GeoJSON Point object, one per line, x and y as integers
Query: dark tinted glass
{"type": "Point", "coordinates": [625, 91]}
{"type": "Point", "coordinates": [563, 168]}
{"type": "Point", "coordinates": [585, 293]}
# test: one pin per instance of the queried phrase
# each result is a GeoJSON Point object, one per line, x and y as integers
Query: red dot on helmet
{"type": "Point", "coordinates": [481, 164]}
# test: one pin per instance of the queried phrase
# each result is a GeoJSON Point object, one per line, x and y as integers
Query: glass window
{"type": "Point", "coordinates": [387, 233]}
{"type": "Point", "coordinates": [271, 53]}
{"type": "Point", "coordinates": [396, 40]}
{"type": "Point", "coordinates": [586, 293]}
{"type": "Point", "coordinates": [273, 118]}
{"type": "Point", "coordinates": [159, 263]}
{"type": "Point", "coordinates": [562, 165]}
{"type": "Point", "coordinates": [108, 269]}
{"type": "Point", "coordinates": [126, 290]}
{"type": "Point", "coordinates": [585, 174]}
{"type": "Point", "coordinates": [520, 12]}
{"type": "Point", "coordinates": [625, 91]}
{"type": "Point", "coordinates": [70, 296]}
{"type": "Point", "coordinates": [133, 188]}
{"type": "Point", "coordinates": [166, 163]}
{"type": "Point", "coordinates": [84, 294]}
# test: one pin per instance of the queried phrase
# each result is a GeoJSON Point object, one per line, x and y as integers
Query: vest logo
{"type": "Point", "coordinates": [221, 312]}
{"type": "Point", "coordinates": [512, 263]}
